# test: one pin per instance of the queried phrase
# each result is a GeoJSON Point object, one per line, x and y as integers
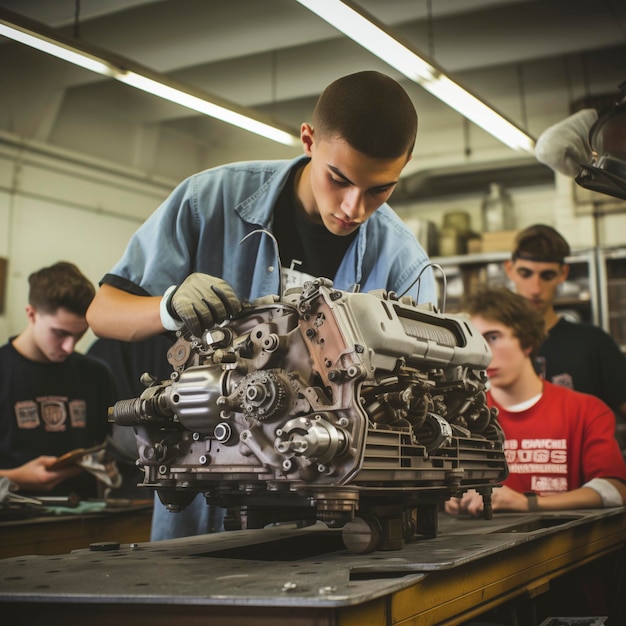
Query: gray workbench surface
{"type": "Point", "coordinates": [276, 566]}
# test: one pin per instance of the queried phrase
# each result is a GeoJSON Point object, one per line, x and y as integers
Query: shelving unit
{"type": "Point", "coordinates": [611, 264]}
{"type": "Point", "coordinates": [578, 297]}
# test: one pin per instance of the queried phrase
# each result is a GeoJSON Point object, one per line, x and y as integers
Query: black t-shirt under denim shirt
{"type": "Point", "coordinates": [305, 246]}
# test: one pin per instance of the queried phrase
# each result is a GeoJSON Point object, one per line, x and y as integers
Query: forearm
{"type": "Point", "coordinates": [28, 476]}
{"type": "Point", "coordinates": [507, 499]}
{"type": "Point", "coordinates": [597, 493]}
{"type": "Point", "coordinates": [120, 315]}
{"type": "Point", "coordinates": [34, 475]}
{"type": "Point", "coordinates": [582, 498]}
{"type": "Point", "coordinates": [12, 474]}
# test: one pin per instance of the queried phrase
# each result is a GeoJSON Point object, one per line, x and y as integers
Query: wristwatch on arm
{"type": "Point", "coordinates": [533, 505]}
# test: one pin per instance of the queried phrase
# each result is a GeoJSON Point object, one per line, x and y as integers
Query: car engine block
{"type": "Point", "coordinates": [361, 410]}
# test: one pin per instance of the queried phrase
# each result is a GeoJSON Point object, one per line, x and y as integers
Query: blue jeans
{"type": "Point", "coordinates": [197, 519]}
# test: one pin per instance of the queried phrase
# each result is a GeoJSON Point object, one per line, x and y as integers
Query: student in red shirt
{"type": "Point", "coordinates": [560, 444]}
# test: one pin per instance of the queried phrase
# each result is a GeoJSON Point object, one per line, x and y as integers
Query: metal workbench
{"type": "Point", "coordinates": [304, 576]}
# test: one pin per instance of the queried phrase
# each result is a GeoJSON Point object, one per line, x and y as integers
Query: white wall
{"type": "Point", "coordinates": [54, 206]}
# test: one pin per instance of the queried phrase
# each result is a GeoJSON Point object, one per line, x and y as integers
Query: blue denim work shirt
{"type": "Point", "coordinates": [200, 227]}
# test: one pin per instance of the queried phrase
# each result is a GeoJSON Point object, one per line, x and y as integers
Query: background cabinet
{"type": "Point", "coordinates": [611, 264]}
{"type": "Point", "coordinates": [578, 298]}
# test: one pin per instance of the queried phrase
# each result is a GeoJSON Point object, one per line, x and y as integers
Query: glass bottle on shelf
{"type": "Point", "coordinates": [497, 210]}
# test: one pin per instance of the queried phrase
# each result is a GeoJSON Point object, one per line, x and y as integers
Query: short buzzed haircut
{"type": "Point", "coordinates": [499, 304]}
{"type": "Point", "coordinates": [371, 112]}
{"type": "Point", "coordinates": [60, 286]}
{"type": "Point", "coordinates": [541, 243]}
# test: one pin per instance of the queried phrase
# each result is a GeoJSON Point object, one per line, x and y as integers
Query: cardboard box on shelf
{"type": "Point", "coordinates": [474, 245]}
{"type": "Point", "coordinates": [498, 241]}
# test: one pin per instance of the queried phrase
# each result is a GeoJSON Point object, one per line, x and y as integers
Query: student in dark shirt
{"type": "Point", "coordinates": [52, 399]}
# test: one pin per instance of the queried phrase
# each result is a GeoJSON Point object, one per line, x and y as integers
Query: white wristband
{"type": "Point", "coordinates": [608, 492]}
{"type": "Point", "coordinates": [169, 323]}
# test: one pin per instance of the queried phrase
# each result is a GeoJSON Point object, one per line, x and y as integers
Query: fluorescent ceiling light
{"type": "Point", "coordinates": [365, 30]}
{"type": "Point", "coordinates": [228, 114]}
{"type": "Point", "coordinates": [79, 53]}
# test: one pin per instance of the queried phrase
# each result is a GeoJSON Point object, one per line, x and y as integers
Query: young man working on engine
{"type": "Point", "coordinates": [206, 250]}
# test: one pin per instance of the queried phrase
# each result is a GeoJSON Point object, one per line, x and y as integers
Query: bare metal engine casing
{"type": "Point", "coordinates": [361, 410]}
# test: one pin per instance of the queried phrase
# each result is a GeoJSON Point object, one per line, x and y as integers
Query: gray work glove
{"type": "Point", "coordinates": [564, 147]}
{"type": "Point", "coordinates": [198, 303]}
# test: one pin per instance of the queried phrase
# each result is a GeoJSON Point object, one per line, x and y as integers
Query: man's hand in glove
{"type": "Point", "coordinates": [198, 303]}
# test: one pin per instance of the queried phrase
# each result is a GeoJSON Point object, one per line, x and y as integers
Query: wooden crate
{"type": "Point", "coordinates": [499, 241]}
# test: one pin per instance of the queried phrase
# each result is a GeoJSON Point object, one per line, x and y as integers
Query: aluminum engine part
{"type": "Point", "coordinates": [329, 406]}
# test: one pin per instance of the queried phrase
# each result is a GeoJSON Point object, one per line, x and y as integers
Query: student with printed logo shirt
{"type": "Point", "coordinates": [52, 399]}
{"type": "Point", "coordinates": [239, 232]}
{"type": "Point", "coordinates": [559, 443]}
